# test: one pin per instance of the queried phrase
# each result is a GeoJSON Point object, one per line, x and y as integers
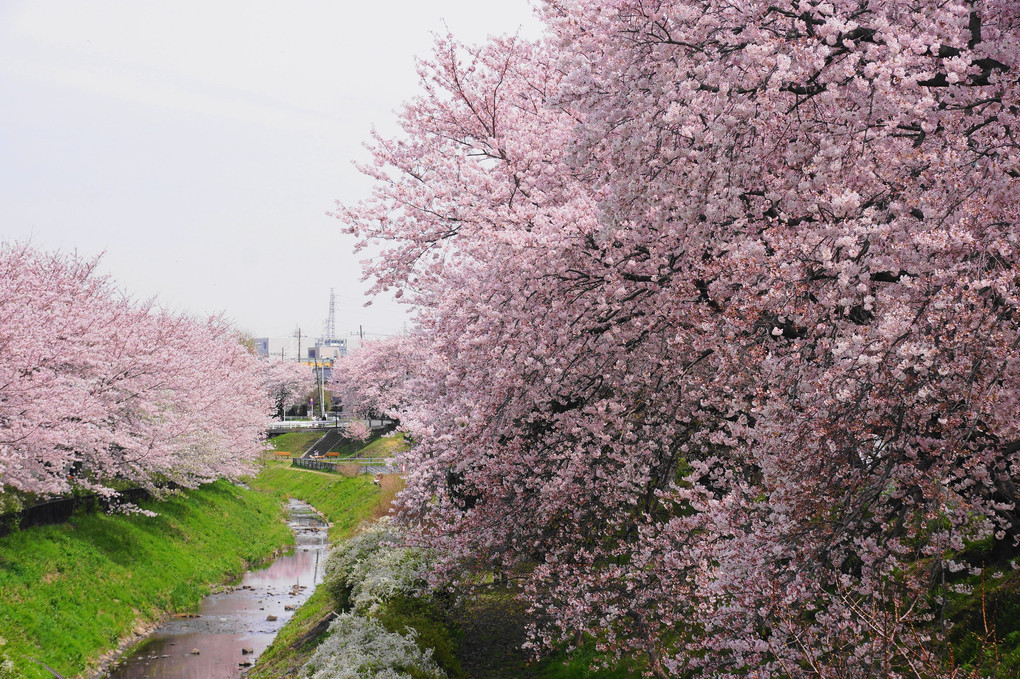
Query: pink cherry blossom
{"type": "Point", "coordinates": [717, 331]}
{"type": "Point", "coordinates": [286, 382]}
{"type": "Point", "coordinates": [96, 387]}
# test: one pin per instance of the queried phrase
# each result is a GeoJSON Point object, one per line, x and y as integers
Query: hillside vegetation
{"type": "Point", "coordinates": [295, 442]}
{"type": "Point", "coordinates": [72, 592]}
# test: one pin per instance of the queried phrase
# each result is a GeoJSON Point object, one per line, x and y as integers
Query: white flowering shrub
{"type": "Point", "coordinates": [345, 557]}
{"type": "Point", "coordinates": [391, 572]}
{"type": "Point", "coordinates": [360, 648]}
{"type": "Point", "coordinates": [374, 566]}
{"type": "Point", "coordinates": [7, 669]}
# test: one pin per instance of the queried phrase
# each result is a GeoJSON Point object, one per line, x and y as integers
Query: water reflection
{"type": "Point", "coordinates": [232, 627]}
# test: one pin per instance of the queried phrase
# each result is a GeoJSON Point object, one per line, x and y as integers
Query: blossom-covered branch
{"type": "Point", "coordinates": [725, 297]}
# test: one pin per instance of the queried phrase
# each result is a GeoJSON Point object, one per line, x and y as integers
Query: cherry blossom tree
{"type": "Point", "coordinates": [94, 386]}
{"type": "Point", "coordinates": [382, 377]}
{"type": "Point", "coordinates": [286, 382]}
{"type": "Point", "coordinates": [724, 297]}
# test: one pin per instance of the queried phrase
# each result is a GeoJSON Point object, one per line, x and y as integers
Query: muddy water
{"type": "Point", "coordinates": [231, 628]}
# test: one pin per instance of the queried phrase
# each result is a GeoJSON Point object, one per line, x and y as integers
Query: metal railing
{"type": "Point", "coordinates": [366, 465]}
{"type": "Point", "coordinates": [300, 424]}
{"type": "Point", "coordinates": [285, 425]}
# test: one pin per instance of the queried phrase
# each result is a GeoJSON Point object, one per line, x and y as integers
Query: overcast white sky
{"type": "Point", "coordinates": [199, 143]}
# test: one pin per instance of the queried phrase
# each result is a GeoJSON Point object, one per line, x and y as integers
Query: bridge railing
{"type": "Point", "coordinates": [288, 425]}
{"type": "Point", "coordinates": [366, 465]}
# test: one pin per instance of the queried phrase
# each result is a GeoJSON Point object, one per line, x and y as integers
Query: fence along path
{"type": "Point", "coordinates": [61, 509]}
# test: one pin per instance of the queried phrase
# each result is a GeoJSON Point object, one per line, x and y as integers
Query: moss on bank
{"type": "Point", "coordinates": [71, 592]}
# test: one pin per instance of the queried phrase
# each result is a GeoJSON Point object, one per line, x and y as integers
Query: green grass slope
{"type": "Point", "coordinates": [384, 446]}
{"type": "Point", "coordinates": [345, 501]}
{"type": "Point", "coordinates": [295, 442]}
{"type": "Point", "coordinates": [71, 592]}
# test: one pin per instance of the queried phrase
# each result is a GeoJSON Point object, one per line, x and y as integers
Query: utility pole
{"type": "Point", "coordinates": [322, 389]}
{"type": "Point", "coordinates": [297, 333]}
{"type": "Point", "coordinates": [320, 383]}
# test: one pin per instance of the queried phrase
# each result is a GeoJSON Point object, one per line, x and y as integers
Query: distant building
{"type": "Point", "coordinates": [328, 350]}
{"type": "Point", "coordinates": [324, 353]}
{"type": "Point", "coordinates": [280, 347]}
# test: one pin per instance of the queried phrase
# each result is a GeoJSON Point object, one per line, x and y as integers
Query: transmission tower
{"type": "Point", "coordinates": [331, 319]}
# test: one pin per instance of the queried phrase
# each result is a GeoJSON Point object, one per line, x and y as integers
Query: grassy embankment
{"type": "Point", "coordinates": [294, 442]}
{"type": "Point", "coordinates": [71, 592]}
{"type": "Point", "coordinates": [353, 447]}
{"type": "Point", "coordinates": [298, 442]}
{"type": "Point", "coordinates": [346, 502]}
{"type": "Point", "coordinates": [383, 446]}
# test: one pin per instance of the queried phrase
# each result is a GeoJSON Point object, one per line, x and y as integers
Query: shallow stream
{"type": "Point", "coordinates": [222, 639]}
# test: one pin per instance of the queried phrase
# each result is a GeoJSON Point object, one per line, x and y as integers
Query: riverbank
{"type": "Point", "coordinates": [479, 638]}
{"type": "Point", "coordinates": [230, 627]}
{"type": "Point", "coordinates": [483, 632]}
{"type": "Point", "coordinates": [345, 502]}
{"type": "Point", "coordinates": [74, 591]}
